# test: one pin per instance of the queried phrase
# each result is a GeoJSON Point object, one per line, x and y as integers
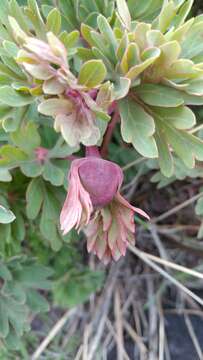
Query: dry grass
{"type": "Point", "coordinates": [127, 319]}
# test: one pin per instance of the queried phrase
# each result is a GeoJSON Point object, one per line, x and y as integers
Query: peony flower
{"type": "Point", "coordinates": [111, 229]}
{"type": "Point", "coordinates": [75, 117]}
{"type": "Point", "coordinates": [95, 205]}
{"type": "Point", "coordinates": [79, 117]}
{"type": "Point", "coordinates": [47, 62]}
{"type": "Point", "coordinates": [80, 112]}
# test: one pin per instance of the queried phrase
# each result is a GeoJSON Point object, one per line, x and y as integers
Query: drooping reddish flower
{"type": "Point", "coordinates": [75, 117]}
{"type": "Point", "coordinates": [79, 109]}
{"type": "Point", "coordinates": [112, 228]}
{"type": "Point", "coordinates": [95, 205]}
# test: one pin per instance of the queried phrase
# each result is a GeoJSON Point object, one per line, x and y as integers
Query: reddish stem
{"type": "Point", "coordinates": [41, 154]}
{"type": "Point", "coordinates": [109, 134]}
{"type": "Point", "coordinates": [92, 151]}
{"type": "Point", "coordinates": [70, 157]}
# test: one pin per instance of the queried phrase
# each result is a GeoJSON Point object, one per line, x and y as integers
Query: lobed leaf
{"type": "Point", "coordinates": [6, 216]}
{"type": "Point", "coordinates": [159, 95]}
{"type": "Point", "coordinates": [92, 73]}
{"type": "Point", "coordinates": [137, 127]}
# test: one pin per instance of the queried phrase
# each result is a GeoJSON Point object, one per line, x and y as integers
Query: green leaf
{"type": "Point", "coordinates": [33, 13]}
{"type": "Point", "coordinates": [5, 274]}
{"type": "Point", "coordinates": [124, 13]}
{"type": "Point", "coordinates": [192, 99]}
{"type": "Point", "coordinates": [86, 34]}
{"type": "Point", "coordinates": [35, 276]}
{"type": "Point", "coordinates": [32, 168]}
{"type": "Point", "coordinates": [49, 220]}
{"type": "Point", "coordinates": [148, 57]}
{"type": "Point", "coordinates": [13, 66]}
{"type": "Point", "coordinates": [10, 124]}
{"type": "Point", "coordinates": [181, 141]}
{"type": "Point", "coordinates": [159, 95]}
{"type": "Point", "coordinates": [27, 137]}
{"type": "Point", "coordinates": [17, 13]}
{"type": "Point", "coordinates": [49, 231]}
{"type": "Point", "coordinates": [11, 156]}
{"type": "Point", "coordinates": [102, 47]}
{"type": "Point", "coordinates": [4, 326]}
{"type": "Point", "coordinates": [17, 315]}
{"type": "Point", "coordinates": [4, 10]}
{"type": "Point", "coordinates": [183, 13]}
{"type": "Point", "coordinates": [70, 40]}
{"type": "Point", "coordinates": [18, 227]}
{"type": "Point", "coordinates": [165, 156]}
{"type": "Point", "coordinates": [34, 198]}
{"type": "Point", "coordinates": [166, 16]}
{"type": "Point", "coordinates": [62, 150]}
{"type": "Point", "coordinates": [137, 127]}
{"type": "Point", "coordinates": [12, 120]}
{"type": "Point", "coordinates": [12, 341]}
{"type": "Point", "coordinates": [195, 87]}
{"type": "Point", "coordinates": [181, 117]}
{"type": "Point", "coordinates": [5, 175]}
{"type": "Point", "coordinates": [85, 54]}
{"type": "Point", "coordinates": [68, 10]}
{"type": "Point", "coordinates": [15, 290]}
{"type": "Point", "coordinates": [131, 57]}
{"type": "Point", "coordinates": [13, 98]}
{"type": "Point", "coordinates": [101, 55]}
{"type": "Point", "coordinates": [19, 35]}
{"type": "Point", "coordinates": [5, 236]}
{"type": "Point", "coordinates": [11, 48]}
{"type": "Point", "coordinates": [121, 88]}
{"type": "Point", "coordinates": [78, 288]}
{"type": "Point", "coordinates": [53, 174]}
{"type": "Point", "coordinates": [18, 296]}
{"type": "Point", "coordinates": [54, 21]}
{"type": "Point", "coordinates": [6, 216]}
{"type": "Point", "coordinates": [36, 302]}
{"type": "Point", "coordinates": [92, 73]}
{"type": "Point", "coordinates": [192, 45]}
{"type": "Point", "coordinates": [108, 33]}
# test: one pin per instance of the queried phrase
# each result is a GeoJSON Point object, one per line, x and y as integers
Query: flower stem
{"type": "Point", "coordinates": [92, 151]}
{"type": "Point", "coordinates": [109, 133]}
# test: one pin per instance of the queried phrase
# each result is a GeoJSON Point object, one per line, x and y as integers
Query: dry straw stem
{"type": "Point", "coordinates": [176, 208]}
{"type": "Point", "coordinates": [193, 337]}
{"type": "Point", "coordinates": [162, 251]}
{"type": "Point", "coordinates": [146, 258]}
{"type": "Point", "coordinates": [54, 331]}
{"type": "Point", "coordinates": [119, 324]}
{"type": "Point", "coordinates": [153, 321]}
{"type": "Point", "coordinates": [162, 335]}
{"type": "Point", "coordinates": [133, 163]}
{"type": "Point", "coordinates": [102, 310]}
{"type": "Point", "coordinates": [137, 339]}
{"type": "Point", "coordinates": [174, 266]}
{"type": "Point", "coordinates": [121, 351]}
{"type": "Point", "coordinates": [79, 353]}
{"type": "Point", "coordinates": [164, 260]}
{"type": "Point", "coordinates": [164, 257]}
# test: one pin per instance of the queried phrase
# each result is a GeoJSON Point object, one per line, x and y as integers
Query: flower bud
{"type": "Point", "coordinates": [94, 204]}
{"type": "Point", "coordinates": [101, 179]}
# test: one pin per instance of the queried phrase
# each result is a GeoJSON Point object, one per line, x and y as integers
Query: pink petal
{"type": "Point", "coordinates": [123, 201]}
{"type": "Point", "coordinates": [100, 247]}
